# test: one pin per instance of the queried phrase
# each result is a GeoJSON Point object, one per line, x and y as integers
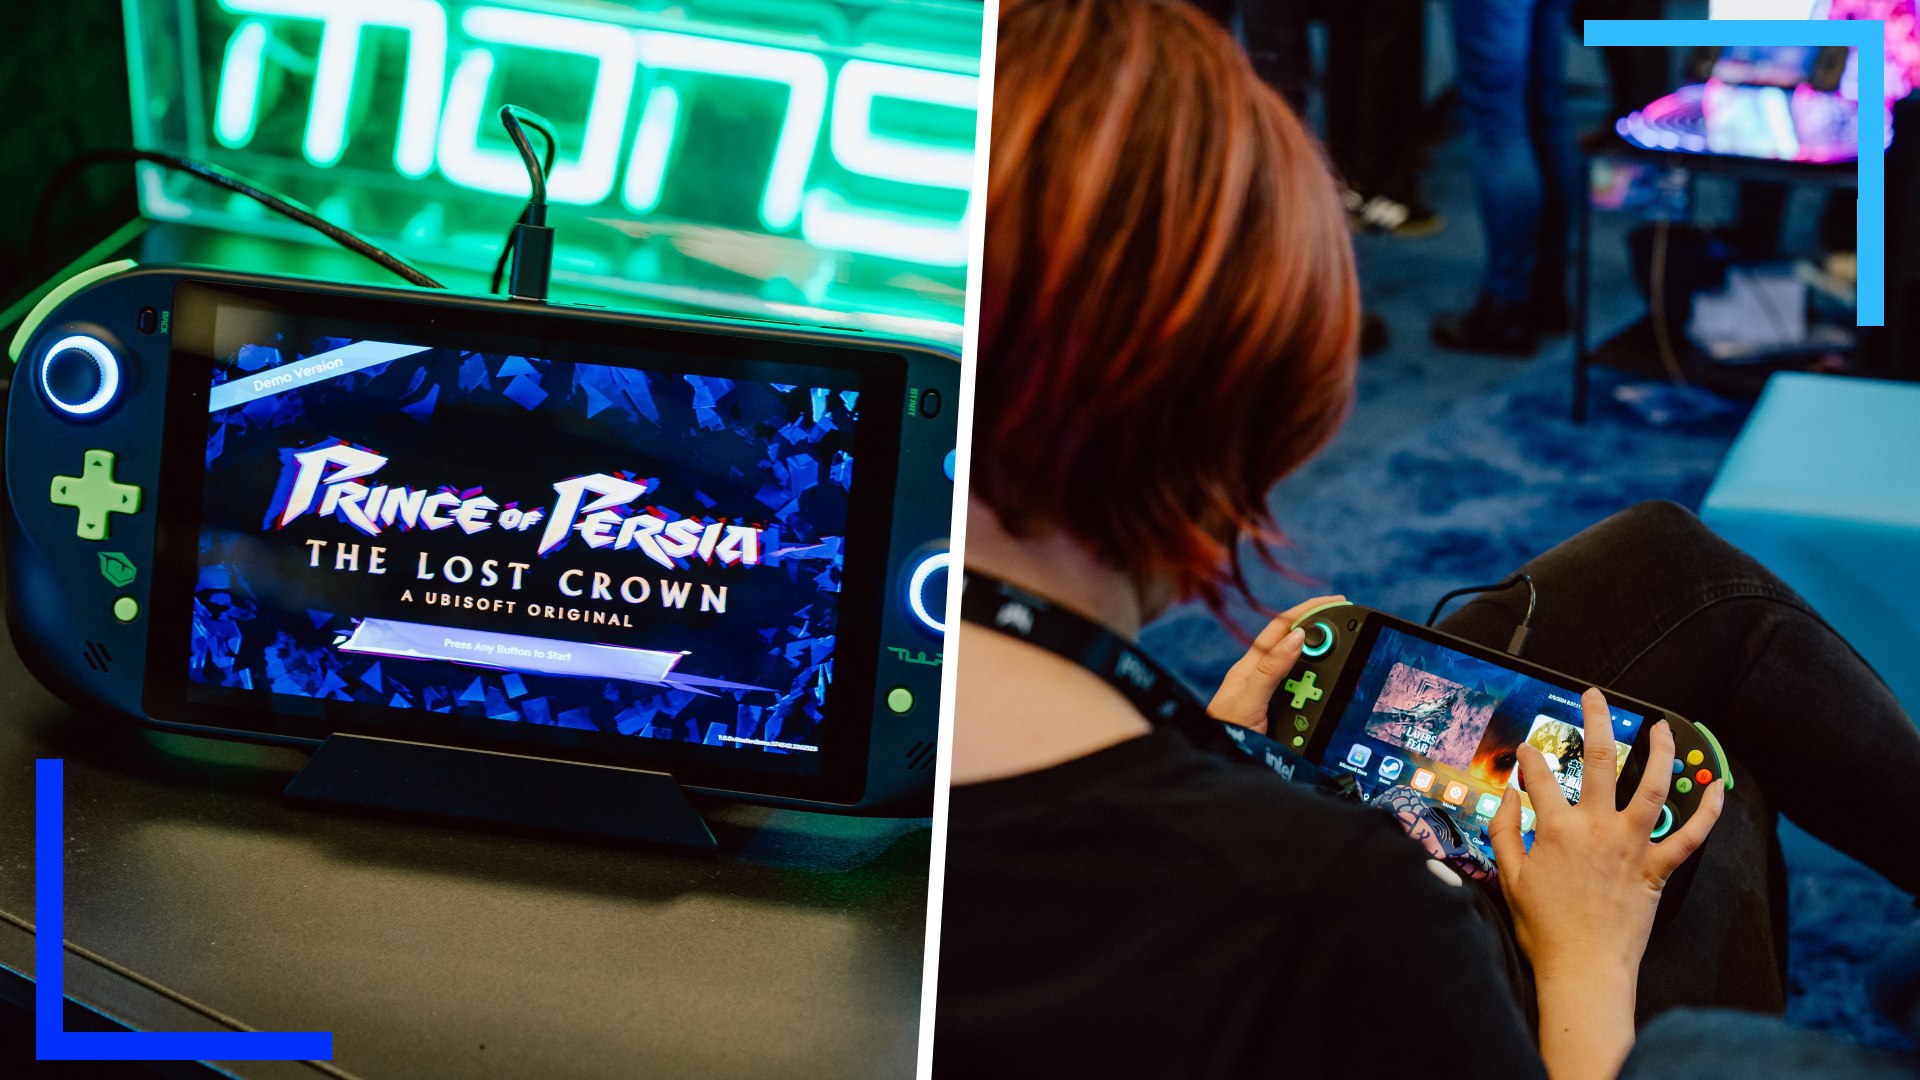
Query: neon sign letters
{"type": "Point", "coordinates": [848, 121]}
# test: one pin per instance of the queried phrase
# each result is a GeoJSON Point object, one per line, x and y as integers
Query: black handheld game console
{"type": "Point", "coordinates": [1392, 703]}
{"type": "Point", "coordinates": [275, 509]}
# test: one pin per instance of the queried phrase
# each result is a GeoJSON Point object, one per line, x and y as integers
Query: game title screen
{"type": "Point", "coordinates": [1449, 726]}
{"type": "Point", "coordinates": [639, 552]}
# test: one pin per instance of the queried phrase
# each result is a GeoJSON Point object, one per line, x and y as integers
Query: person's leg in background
{"type": "Point", "coordinates": [1491, 43]}
{"type": "Point", "coordinates": [1635, 76]}
{"type": "Point", "coordinates": [1551, 130]}
{"type": "Point", "coordinates": [1375, 90]}
{"type": "Point", "coordinates": [1651, 603]}
{"type": "Point", "coordinates": [1274, 33]}
{"type": "Point", "coordinates": [1220, 10]}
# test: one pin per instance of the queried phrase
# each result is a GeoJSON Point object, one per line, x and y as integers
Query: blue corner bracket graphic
{"type": "Point", "coordinates": [51, 1043]}
{"type": "Point", "coordinates": [1869, 36]}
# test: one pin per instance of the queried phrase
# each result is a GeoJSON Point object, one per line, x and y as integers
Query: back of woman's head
{"type": "Point", "coordinates": [1169, 312]}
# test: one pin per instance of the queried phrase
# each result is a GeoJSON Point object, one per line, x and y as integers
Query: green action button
{"type": "Point", "coordinates": [95, 493]}
{"type": "Point", "coordinates": [900, 699]}
{"type": "Point", "coordinates": [126, 609]}
{"type": "Point", "coordinates": [1683, 785]}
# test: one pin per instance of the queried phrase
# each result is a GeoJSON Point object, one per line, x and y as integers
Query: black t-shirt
{"type": "Point", "coordinates": [1153, 910]}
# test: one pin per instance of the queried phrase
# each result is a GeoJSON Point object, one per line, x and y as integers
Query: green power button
{"type": "Point", "coordinates": [900, 699]}
{"type": "Point", "coordinates": [126, 609]}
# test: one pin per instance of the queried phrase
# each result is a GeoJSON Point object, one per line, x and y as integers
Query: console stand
{"type": "Point", "coordinates": [501, 789]}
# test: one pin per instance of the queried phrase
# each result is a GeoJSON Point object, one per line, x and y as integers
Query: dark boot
{"type": "Point", "coordinates": [1489, 326]}
{"type": "Point", "coordinates": [1547, 304]}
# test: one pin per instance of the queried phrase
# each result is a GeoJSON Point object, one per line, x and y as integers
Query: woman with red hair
{"type": "Point", "coordinates": [1167, 328]}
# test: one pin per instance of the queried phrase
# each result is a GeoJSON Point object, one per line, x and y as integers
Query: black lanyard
{"type": "Point", "coordinates": [1148, 687]}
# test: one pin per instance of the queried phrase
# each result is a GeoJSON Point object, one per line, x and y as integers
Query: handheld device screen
{"type": "Point", "coordinates": [615, 544]}
{"type": "Point", "coordinates": [1449, 725]}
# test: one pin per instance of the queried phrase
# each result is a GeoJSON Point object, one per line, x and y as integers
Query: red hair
{"type": "Point", "coordinates": [1169, 313]}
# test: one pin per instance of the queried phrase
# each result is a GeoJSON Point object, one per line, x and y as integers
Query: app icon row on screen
{"type": "Point", "coordinates": [1454, 793]}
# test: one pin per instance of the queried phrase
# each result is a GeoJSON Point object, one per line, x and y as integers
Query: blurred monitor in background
{"type": "Point", "coordinates": [1785, 103]}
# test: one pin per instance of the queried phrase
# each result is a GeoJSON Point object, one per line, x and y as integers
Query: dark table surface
{"type": "Point", "coordinates": [434, 950]}
{"type": "Point", "coordinates": [195, 892]}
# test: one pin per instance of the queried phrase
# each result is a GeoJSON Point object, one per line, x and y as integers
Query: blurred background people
{"type": "Point", "coordinates": [1512, 71]}
{"type": "Point", "coordinates": [1371, 93]}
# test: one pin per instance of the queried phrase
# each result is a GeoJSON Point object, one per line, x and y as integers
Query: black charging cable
{"type": "Point", "coordinates": [1519, 639]}
{"type": "Point", "coordinates": [530, 241]}
{"type": "Point", "coordinates": [213, 174]}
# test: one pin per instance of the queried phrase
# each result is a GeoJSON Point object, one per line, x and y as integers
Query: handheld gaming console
{"type": "Point", "coordinates": [1393, 704]}
{"type": "Point", "coordinates": [274, 509]}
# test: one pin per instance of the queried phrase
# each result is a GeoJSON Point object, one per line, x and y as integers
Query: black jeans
{"type": "Point", "coordinates": [1373, 86]}
{"type": "Point", "coordinates": [1652, 603]}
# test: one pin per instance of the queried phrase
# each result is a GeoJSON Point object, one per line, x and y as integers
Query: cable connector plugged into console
{"type": "Point", "coordinates": [1518, 641]}
{"type": "Point", "coordinates": [532, 261]}
{"type": "Point", "coordinates": [530, 244]}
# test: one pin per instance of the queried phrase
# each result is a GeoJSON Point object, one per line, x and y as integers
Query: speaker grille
{"type": "Point", "coordinates": [97, 656]}
{"type": "Point", "coordinates": [920, 755]}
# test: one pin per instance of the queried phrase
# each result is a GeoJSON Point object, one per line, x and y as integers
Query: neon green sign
{"type": "Point", "coordinates": [730, 153]}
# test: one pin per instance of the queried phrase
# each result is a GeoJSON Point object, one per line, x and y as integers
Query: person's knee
{"type": "Point", "coordinates": [1660, 519]}
{"type": "Point", "coordinates": [1651, 537]}
{"type": "Point", "coordinates": [1663, 538]}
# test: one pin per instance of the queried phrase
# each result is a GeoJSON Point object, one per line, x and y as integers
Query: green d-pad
{"type": "Point", "coordinates": [95, 493]}
{"type": "Point", "coordinates": [1304, 691]}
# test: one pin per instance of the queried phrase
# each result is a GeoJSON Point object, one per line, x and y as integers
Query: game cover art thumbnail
{"type": "Point", "coordinates": [1430, 715]}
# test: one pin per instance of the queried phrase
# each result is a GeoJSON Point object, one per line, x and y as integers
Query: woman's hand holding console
{"type": "Point", "coordinates": [1583, 899]}
{"type": "Point", "coordinates": [1252, 680]}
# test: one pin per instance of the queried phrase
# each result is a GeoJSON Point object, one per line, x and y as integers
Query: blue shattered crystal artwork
{"type": "Point", "coordinates": [421, 492]}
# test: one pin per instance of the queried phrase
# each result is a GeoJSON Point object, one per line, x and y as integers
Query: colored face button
{"type": "Point", "coordinates": [1695, 757]}
{"type": "Point", "coordinates": [1677, 766]}
{"type": "Point", "coordinates": [899, 699]}
{"type": "Point", "coordinates": [95, 494]}
{"type": "Point", "coordinates": [1683, 785]}
{"type": "Point", "coordinates": [126, 609]}
{"type": "Point", "coordinates": [1304, 691]}
{"type": "Point", "coordinates": [1704, 776]}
